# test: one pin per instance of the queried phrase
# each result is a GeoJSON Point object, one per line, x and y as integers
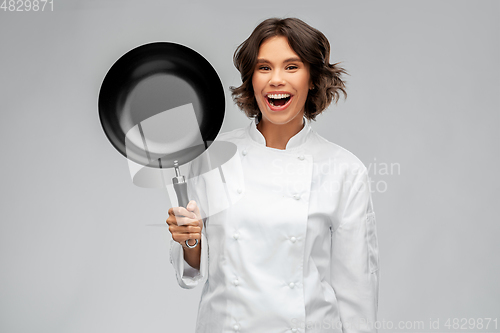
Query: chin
{"type": "Point", "coordinates": [281, 119]}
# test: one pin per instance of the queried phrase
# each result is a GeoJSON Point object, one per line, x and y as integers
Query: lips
{"type": "Point", "coordinates": [278, 101]}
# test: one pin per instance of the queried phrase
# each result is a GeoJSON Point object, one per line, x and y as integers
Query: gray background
{"type": "Point", "coordinates": [76, 251]}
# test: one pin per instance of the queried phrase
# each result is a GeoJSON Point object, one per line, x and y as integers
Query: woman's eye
{"type": "Point", "coordinates": [263, 68]}
{"type": "Point", "coordinates": [292, 67]}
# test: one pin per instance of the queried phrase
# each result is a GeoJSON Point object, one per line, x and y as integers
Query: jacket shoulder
{"type": "Point", "coordinates": [323, 149]}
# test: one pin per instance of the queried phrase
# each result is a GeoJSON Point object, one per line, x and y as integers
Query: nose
{"type": "Point", "coordinates": [277, 79]}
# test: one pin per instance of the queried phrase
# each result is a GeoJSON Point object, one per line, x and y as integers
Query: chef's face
{"type": "Point", "coordinates": [281, 82]}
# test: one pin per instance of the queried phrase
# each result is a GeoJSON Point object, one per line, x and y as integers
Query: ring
{"type": "Point", "coordinates": [191, 246]}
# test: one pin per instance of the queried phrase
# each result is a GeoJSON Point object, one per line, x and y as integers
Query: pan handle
{"type": "Point", "coordinates": [181, 191]}
{"type": "Point", "coordinates": [180, 187]}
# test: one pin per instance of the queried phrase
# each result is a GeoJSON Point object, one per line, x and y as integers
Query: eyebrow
{"type": "Point", "coordinates": [293, 59]}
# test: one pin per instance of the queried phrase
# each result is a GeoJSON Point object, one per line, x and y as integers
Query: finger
{"type": "Point", "coordinates": [184, 237]}
{"type": "Point", "coordinates": [192, 229]}
{"type": "Point", "coordinates": [185, 229]}
{"type": "Point", "coordinates": [182, 221]}
{"type": "Point", "coordinates": [181, 211]}
{"type": "Point", "coordinates": [171, 220]}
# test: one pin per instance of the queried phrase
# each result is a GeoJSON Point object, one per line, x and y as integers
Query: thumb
{"type": "Point", "coordinates": [193, 207]}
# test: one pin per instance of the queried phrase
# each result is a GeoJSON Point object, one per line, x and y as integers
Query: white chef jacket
{"type": "Point", "coordinates": [297, 252]}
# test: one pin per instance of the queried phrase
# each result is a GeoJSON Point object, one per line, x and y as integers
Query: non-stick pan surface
{"type": "Point", "coordinates": [151, 79]}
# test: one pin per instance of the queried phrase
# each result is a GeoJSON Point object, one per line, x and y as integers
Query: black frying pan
{"type": "Point", "coordinates": [153, 78]}
{"type": "Point", "coordinates": [142, 86]}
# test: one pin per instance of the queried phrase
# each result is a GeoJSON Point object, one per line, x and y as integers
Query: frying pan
{"type": "Point", "coordinates": [151, 79]}
{"type": "Point", "coordinates": [169, 91]}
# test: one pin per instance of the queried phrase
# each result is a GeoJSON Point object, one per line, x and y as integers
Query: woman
{"type": "Point", "coordinates": [298, 251]}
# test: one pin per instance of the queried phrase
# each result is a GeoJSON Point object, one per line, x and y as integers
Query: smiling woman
{"type": "Point", "coordinates": [298, 249]}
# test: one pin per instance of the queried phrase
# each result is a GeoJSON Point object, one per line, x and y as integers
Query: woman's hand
{"type": "Point", "coordinates": [185, 223]}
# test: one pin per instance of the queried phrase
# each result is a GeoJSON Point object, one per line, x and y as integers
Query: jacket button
{"type": "Point", "coordinates": [236, 327]}
{"type": "Point", "coordinates": [294, 330]}
{"type": "Point", "coordinates": [293, 239]}
{"type": "Point", "coordinates": [301, 157]}
{"type": "Point", "coordinates": [236, 282]}
{"type": "Point", "coordinates": [239, 190]}
{"type": "Point", "coordinates": [291, 285]}
{"type": "Point", "coordinates": [244, 152]}
{"type": "Point", "coordinates": [296, 196]}
{"type": "Point", "coordinates": [236, 236]}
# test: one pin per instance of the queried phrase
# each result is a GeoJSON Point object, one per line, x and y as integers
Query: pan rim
{"type": "Point", "coordinates": [112, 136]}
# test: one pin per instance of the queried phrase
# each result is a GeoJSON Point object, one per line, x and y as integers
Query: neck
{"type": "Point", "coordinates": [278, 135]}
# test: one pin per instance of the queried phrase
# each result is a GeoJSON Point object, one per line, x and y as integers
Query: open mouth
{"type": "Point", "coordinates": [278, 100]}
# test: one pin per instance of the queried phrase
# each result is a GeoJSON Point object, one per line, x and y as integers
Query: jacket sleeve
{"type": "Point", "coordinates": [187, 276]}
{"type": "Point", "coordinates": [354, 258]}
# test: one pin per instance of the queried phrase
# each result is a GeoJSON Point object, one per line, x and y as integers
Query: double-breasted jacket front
{"type": "Point", "coordinates": [295, 247]}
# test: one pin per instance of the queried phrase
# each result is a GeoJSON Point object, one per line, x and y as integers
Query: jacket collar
{"type": "Point", "coordinates": [295, 141]}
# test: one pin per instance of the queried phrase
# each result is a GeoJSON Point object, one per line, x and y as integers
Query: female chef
{"type": "Point", "coordinates": [297, 252]}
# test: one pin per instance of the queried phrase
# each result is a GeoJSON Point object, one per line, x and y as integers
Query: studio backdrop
{"type": "Point", "coordinates": [84, 249]}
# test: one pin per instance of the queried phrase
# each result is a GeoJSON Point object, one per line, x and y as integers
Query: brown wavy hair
{"type": "Point", "coordinates": [313, 49]}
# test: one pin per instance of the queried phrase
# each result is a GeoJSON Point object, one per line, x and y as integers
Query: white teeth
{"type": "Point", "coordinates": [278, 96]}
